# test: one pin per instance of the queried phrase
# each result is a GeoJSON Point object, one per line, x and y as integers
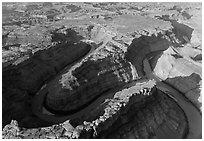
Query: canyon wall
{"type": "Point", "coordinates": [108, 72]}
{"type": "Point", "coordinates": [27, 78]}
{"type": "Point", "coordinates": [138, 111]}
{"type": "Point", "coordinates": [98, 73]}
{"type": "Point", "coordinates": [170, 60]}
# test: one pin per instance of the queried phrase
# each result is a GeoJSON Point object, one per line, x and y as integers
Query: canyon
{"type": "Point", "coordinates": [115, 79]}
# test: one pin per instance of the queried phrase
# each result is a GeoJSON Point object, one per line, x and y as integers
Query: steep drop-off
{"type": "Point", "coordinates": [98, 92]}
{"type": "Point", "coordinates": [87, 80]}
{"type": "Point", "coordinates": [155, 117]}
{"type": "Point", "coordinates": [182, 73]}
{"type": "Point", "coordinates": [169, 60]}
{"type": "Point", "coordinates": [27, 78]}
{"type": "Point", "coordinates": [139, 110]}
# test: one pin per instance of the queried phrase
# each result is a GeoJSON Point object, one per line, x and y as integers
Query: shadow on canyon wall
{"type": "Point", "coordinates": [88, 82]}
{"type": "Point", "coordinates": [66, 35]}
{"type": "Point", "coordinates": [21, 82]}
{"type": "Point", "coordinates": [181, 30]}
{"type": "Point", "coordinates": [152, 47]}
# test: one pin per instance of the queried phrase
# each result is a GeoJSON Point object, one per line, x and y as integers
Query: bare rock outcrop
{"type": "Point", "coordinates": [141, 47]}
{"type": "Point", "coordinates": [92, 82]}
{"type": "Point", "coordinates": [146, 46]}
{"type": "Point", "coordinates": [180, 72]}
{"type": "Point", "coordinates": [27, 78]}
{"type": "Point", "coordinates": [190, 86]}
{"type": "Point", "coordinates": [137, 111]}
{"type": "Point", "coordinates": [164, 121]}
{"type": "Point", "coordinates": [84, 82]}
{"type": "Point", "coordinates": [168, 61]}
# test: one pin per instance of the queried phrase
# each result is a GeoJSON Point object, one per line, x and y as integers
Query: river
{"type": "Point", "coordinates": [194, 117]}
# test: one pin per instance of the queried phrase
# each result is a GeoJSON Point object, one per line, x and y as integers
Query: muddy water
{"type": "Point", "coordinates": [194, 117]}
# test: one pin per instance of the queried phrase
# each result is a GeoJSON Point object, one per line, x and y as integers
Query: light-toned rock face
{"type": "Point", "coordinates": [166, 64]}
{"type": "Point", "coordinates": [181, 72]}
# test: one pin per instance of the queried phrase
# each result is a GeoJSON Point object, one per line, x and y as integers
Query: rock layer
{"type": "Point", "coordinates": [105, 82]}
{"type": "Point", "coordinates": [138, 111]}
{"type": "Point", "coordinates": [168, 61]}
{"type": "Point", "coordinates": [87, 80]}
{"type": "Point", "coordinates": [141, 120]}
{"type": "Point", "coordinates": [27, 78]}
{"type": "Point", "coordinates": [182, 73]}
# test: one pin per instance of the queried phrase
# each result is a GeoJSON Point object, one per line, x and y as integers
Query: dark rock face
{"type": "Point", "coordinates": [146, 113]}
{"type": "Point", "coordinates": [27, 78]}
{"type": "Point", "coordinates": [141, 47]}
{"type": "Point", "coordinates": [49, 62]}
{"type": "Point", "coordinates": [101, 71]}
{"type": "Point", "coordinates": [156, 116]}
{"type": "Point", "coordinates": [99, 78]}
{"type": "Point", "coordinates": [84, 82]}
{"type": "Point", "coordinates": [144, 45]}
{"type": "Point", "coordinates": [167, 60]}
{"type": "Point", "coordinates": [105, 69]}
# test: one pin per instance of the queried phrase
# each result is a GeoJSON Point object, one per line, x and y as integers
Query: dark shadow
{"type": "Point", "coordinates": [73, 8]}
{"type": "Point", "coordinates": [24, 80]}
{"type": "Point", "coordinates": [177, 8]}
{"type": "Point", "coordinates": [197, 57]}
{"type": "Point", "coordinates": [141, 112]}
{"type": "Point", "coordinates": [180, 30]}
{"type": "Point", "coordinates": [8, 46]}
{"type": "Point", "coordinates": [152, 57]}
{"type": "Point", "coordinates": [177, 56]}
{"type": "Point", "coordinates": [66, 35]}
{"type": "Point", "coordinates": [93, 88]}
{"type": "Point", "coordinates": [186, 15]}
{"type": "Point", "coordinates": [140, 49]}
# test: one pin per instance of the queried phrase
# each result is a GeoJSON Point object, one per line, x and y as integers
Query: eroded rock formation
{"type": "Point", "coordinates": [27, 78]}
{"type": "Point", "coordinates": [95, 75]}
{"type": "Point", "coordinates": [128, 115]}
{"type": "Point", "coordinates": [168, 61]}
{"type": "Point", "coordinates": [182, 73]}
{"type": "Point", "coordinates": [140, 121]}
{"type": "Point", "coordinates": [94, 81]}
